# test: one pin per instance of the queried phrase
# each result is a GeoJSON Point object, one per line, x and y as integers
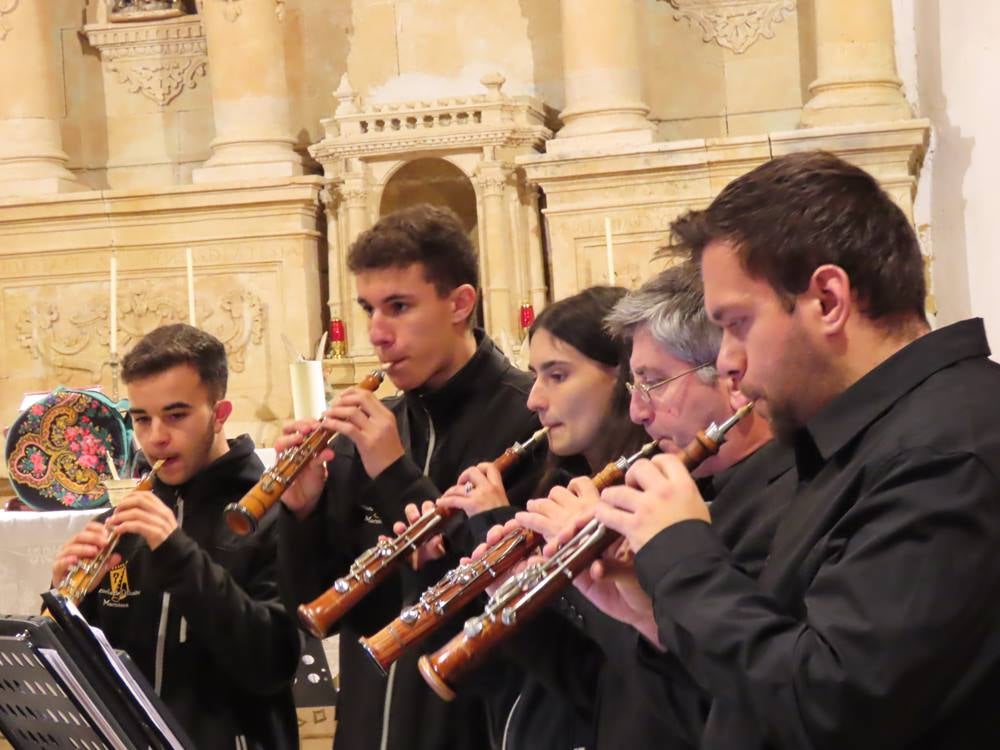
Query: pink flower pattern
{"type": "Point", "coordinates": [61, 450]}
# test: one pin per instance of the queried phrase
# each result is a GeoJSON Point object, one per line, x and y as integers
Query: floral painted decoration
{"type": "Point", "coordinates": [57, 450]}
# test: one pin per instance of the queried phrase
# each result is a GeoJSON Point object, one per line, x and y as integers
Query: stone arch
{"type": "Point", "coordinates": [440, 183]}
{"type": "Point", "coordinates": [434, 181]}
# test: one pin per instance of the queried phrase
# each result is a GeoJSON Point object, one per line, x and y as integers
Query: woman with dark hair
{"type": "Point", "coordinates": [580, 395]}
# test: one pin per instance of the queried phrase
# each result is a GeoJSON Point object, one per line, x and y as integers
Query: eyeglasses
{"type": "Point", "coordinates": [646, 391]}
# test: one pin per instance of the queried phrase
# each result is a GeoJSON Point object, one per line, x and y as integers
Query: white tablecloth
{"type": "Point", "coordinates": [29, 541]}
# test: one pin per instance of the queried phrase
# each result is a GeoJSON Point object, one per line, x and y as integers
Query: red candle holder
{"type": "Point", "coordinates": [338, 339]}
{"type": "Point", "coordinates": [527, 315]}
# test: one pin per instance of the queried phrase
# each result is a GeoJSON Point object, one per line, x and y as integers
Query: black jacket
{"type": "Point", "coordinates": [473, 417]}
{"type": "Point", "coordinates": [875, 622]}
{"type": "Point", "coordinates": [201, 616]}
{"type": "Point", "coordinates": [628, 693]}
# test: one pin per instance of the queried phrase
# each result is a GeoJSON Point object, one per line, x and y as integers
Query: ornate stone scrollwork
{"type": "Point", "coordinates": [73, 340]}
{"type": "Point", "coordinates": [355, 196]}
{"type": "Point", "coordinates": [492, 184]}
{"type": "Point", "coordinates": [161, 82]}
{"type": "Point", "coordinates": [158, 60]}
{"type": "Point", "coordinates": [6, 7]}
{"type": "Point", "coordinates": [734, 24]}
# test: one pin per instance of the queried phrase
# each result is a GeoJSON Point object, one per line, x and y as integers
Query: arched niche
{"type": "Point", "coordinates": [440, 183]}
{"type": "Point", "coordinates": [433, 181]}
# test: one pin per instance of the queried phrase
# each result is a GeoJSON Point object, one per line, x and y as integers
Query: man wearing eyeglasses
{"type": "Point", "coordinates": [675, 392]}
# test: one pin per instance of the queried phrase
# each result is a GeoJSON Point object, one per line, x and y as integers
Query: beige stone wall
{"type": "Point", "coordinates": [402, 49]}
{"type": "Point", "coordinates": [628, 111]}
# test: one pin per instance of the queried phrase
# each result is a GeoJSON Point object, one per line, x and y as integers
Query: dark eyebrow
{"type": "Point", "coordinates": [549, 364]}
{"type": "Point", "coordinates": [388, 300]}
{"type": "Point", "coordinates": [169, 407]}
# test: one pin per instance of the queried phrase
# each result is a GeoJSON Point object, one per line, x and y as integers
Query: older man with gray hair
{"type": "Point", "coordinates": [676, 391]}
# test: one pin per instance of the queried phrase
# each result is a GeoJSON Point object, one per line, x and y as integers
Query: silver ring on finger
{"type": "Point", "coordinates": [468, 487]}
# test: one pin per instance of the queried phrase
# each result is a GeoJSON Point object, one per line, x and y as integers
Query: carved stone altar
{"type": "Point", "coordinates": [475, 138]}
{"type": "Point", "coordinates": [256, 276]}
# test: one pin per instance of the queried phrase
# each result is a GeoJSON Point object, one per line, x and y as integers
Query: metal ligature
{"type": "Point", "coordinates": [463, 584]}
{"type": "Point", "coordinates": [524, 594]}
{"type": "Point", "coordinates": [375, 564]}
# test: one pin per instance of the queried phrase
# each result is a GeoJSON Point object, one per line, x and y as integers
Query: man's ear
{"type": "Point", "coordinates": [221, 413]}
{"type": "Point", "coordinates": [830, 288]}
{"type": "Point", "coordinates": [463, 301]}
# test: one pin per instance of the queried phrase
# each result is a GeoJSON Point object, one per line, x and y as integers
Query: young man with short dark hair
{"type": "Point", "coordinates": [194, 605]}
{"type": "Point", "coordinates": [462, 403]}
{"type": "Point", "coordinates": [875, 622]}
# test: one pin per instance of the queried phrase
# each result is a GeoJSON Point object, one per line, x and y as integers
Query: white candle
{"type": "Point", "coordinates": [609, 251]}
{"type": "Point", "coordinates": [190, 285]}
{"type": "Point", "coordinates": [113, 307]}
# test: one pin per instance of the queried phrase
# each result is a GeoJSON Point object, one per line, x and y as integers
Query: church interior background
{"type": "Point", "coordinates": [259, 137]}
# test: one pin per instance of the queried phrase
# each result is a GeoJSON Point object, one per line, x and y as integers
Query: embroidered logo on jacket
{"type": "Point", "coordinates": [117, 595]}
{"type": "Point", "coordinates": [370, 515]}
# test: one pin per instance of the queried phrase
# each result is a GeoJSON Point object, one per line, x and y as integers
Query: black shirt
{"type": "Point", "coordinates": [874, 623]}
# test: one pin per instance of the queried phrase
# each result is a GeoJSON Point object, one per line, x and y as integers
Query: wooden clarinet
{"type": "Point", "coordinates": [82, 576]}
{"type": "Point", "coordinates": [463, 584]}
{"type": "Point", "coordinates": [375, 564]}
{"type": "Point", "coordinates": [244, 516]}
{"type": "Point", "coordinates": [524, 594]}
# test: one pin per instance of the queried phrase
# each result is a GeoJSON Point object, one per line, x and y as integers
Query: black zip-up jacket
{"type": "Point", "coordinates": [626, 692]}
{"type": "Point", "coordinates": [473, 417]}
{"type": "Point", "coordinates": [201, 616]}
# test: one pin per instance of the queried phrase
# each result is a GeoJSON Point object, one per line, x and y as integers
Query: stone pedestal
{"type": "Point", "coordinates": [604, 106]}
{"type": "Point", "coordinates": [246, 62]}
{"type": "Point", "coordinates": [856, 79]}
{"type": "Point", "coordinates": [32, 160]}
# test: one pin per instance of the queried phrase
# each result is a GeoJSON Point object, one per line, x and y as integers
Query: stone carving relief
{"type": "Point", "coordinates": [161, 82]}
{"type": "Point", "coordinates": [734, 24]}
{"type": "Point", "coordinates": [158, 61]}
{"type": "Point", "coordinates": [6, 7]}
{"type": "Point", "coordinates": [72, 339]}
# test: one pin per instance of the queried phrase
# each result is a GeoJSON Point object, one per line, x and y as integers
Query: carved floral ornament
{"type": "Point", "coordinates": [158, 60]}
{"type": "Point", "coordinates": [6, 7]}
{"type": "Point", "coordinates": [72, 340]}
{"type": "Point", "coordinates": [733, 24]}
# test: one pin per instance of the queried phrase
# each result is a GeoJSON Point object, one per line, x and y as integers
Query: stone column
{"type": "Point", "coordinates": [246, 65]}
{"type": "Point", "coordinates": [355, 195]}
{"type": "Point", "coordinates": [32, 160]}
{"type": "Point", "coordinates": [492, 182]}
{"type": "Point", "coordinates": [856, 77]}
{"type": "Point", "coordinates": [601, 67]}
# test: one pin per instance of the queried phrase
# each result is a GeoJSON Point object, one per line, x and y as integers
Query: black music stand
{"type": "Point", "coordinates": [62, 687]}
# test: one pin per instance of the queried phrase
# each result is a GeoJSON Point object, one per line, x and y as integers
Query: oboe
{"type": "Point", "coordinates": [243, 517]}
{"type": "Point", "coordinates": [83, 574]}
{"type": "Point", "coordinates": [524, 594]}
{"type": "Point", "coordinates": [464, 583]}
{"type": "Point", "coordinates": [375, 564]}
